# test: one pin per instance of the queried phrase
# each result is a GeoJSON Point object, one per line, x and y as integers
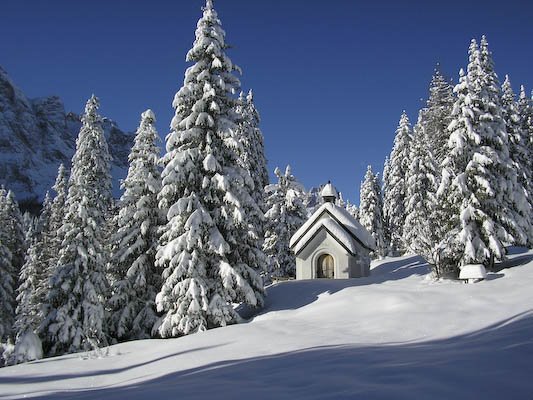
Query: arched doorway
{"type": "Point", "coordinates": [325, 267]}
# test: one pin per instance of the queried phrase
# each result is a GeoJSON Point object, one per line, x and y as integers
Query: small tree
{"type": "Point", "coordinates": [132, 262]}
{"type": "Point", "coordinates": [286, 213]}
{"type": "Point", "coordinates": [371, 210]}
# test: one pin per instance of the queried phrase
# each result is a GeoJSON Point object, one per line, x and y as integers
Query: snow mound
{"type": "Point", "coordinates": [473, 271]}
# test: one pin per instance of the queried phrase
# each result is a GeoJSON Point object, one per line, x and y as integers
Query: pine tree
{"type": "Point", "coordinates": [78, 283]}
{"type": "Point", "coordinates": [477, 174]}
{"type": "Point", "coordinates": [395, 188]}
{"type": "Point", "coordinates": [208, 243]}
{"type": "Point", "coordinates": [7, 283]}
{"type": "Point", "coordinates": [421, 229]}
{"type": "Point", "coordinates": [132, 262]}
{"type": "Point", "coordinates": [370, 210]}
{"type": "Point", "coordinates": [286, 213]}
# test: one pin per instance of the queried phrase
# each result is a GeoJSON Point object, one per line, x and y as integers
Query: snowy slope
{"type": "Point", "coordinates": [36, 135]}
{"type": "Point", "coordinates": [395, 335]}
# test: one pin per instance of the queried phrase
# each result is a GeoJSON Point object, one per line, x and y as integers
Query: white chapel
{"type": "Point", "coordinates": [332, 243]}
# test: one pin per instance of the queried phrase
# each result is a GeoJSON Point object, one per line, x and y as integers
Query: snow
{"type": "Point", "coordinates": [345, 219]}
{"type": "Point", "coordinates": [396, 334]}
{"type": "Point", "coordinates": [473, 271]}
{"type": "Point", "coordinates": [28, 347]}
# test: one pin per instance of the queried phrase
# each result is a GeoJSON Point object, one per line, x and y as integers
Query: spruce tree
{"type": "Point", "coordinates": [78, 284]}
{"type": "Point", "coordinates": [421, 229]}
{"type": "Point", "coordinates": [208, 248]}
{"type": "Point", "coordinates": [395, 189]}
{"type": "Point", "coordinates": [371, 210]}
{"type": "Point", "coordinates": [437, 115]}
{"type": "Point", "coordinates": [520, 156]}
{"type": "Point", "coordinates": [525, 112]}
{"type": "Point", "coordinates": [286, 212]}
{"type": "Point", "coordinates": [15, 234]}
{"type": "Point", "coordinates": [354, 212]}
{"type": "Point", "coordinates": [132, 262]}
{"type": "Point", "coordinates": [7, 272]}
{"type": "Point", "coordinates": [252, 156]}
{"type": "Point", "coordinates": [57, 211]}
{"type": "Point", "coordinates": [477, 173]}
{"type": "Point", "coordinates": [515, 215]}
{"type": "Point", "coordinates": [31, 290]}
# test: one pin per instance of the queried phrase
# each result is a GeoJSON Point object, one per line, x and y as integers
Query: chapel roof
{"type": "Point", "coordinates": [340, 224]}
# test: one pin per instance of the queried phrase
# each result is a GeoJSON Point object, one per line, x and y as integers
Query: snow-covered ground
{"type": "Point", "coordinates": [394, 335]}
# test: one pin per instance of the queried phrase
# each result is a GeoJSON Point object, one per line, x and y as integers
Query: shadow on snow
{"type": "Point", "coordinates": [492, 363]}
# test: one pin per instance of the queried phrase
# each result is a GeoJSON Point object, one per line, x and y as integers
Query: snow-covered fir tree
{"type": "Point", "coordinates": [7, 283]}
{"type": "Point", "coordinates": [421, 229]}
{"type": "Point", "coordinates": [132, 263]}
{"type": "Point", "coordinates": [208, 247]}
{"type": "Point", "coordinates": [286, 212]}
{"type": "Point", "coordinates": [437, 115]}
{"type": "Point", "coordinates": [371, 210]}
{"type": "Point", "coordinates": [57, 210]}
{"type": "Point", "coordinates": [518, 150]}
{"type": "Point", "coordinates": [515, 215]}
{"type": "Point", "coordinates": [32, 287]}
{"type": "Point", "coordinates": [477, 177]}
{"type": "Point", "coordinates": [253, 155]}
{"type": "Point", "coordinates": [353, 210]}
{"type": "Point", "coordinates": [395, 185]}
{"type": "Point", "coordinates": [78, 283]}
{"type": "Point", "coordinates": [525, 112]}
{"type": "Point", "coordinates": [15, 234]}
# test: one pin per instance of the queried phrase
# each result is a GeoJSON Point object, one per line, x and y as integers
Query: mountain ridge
{"type": "Point", "coordinates": [37, 135]}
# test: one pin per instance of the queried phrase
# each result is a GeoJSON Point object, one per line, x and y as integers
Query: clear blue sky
{"type": "Point", "coordinates": [331, 78]}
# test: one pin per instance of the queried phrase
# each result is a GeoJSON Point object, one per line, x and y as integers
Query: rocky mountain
{"type": "Point", "coordinates": [36, 135]}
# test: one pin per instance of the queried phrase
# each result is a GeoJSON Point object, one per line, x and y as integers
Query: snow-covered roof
{"type": "Point", "coordinates": [329, 191]}
{"type": "Point", "coordinates": [343, 226]}
{"type": "Point", "coordinates": [473, 271]}
{"type": "Point", "coordinates": [334, 228]}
